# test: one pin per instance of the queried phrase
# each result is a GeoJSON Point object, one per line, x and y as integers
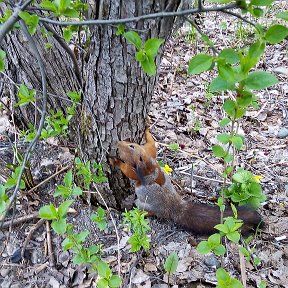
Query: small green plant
{"type": "Point", "coordinates": [99, 218]}
{"type": "Point", "coordinates": [212, 244]}
{"type": "Point", "coordinates": [4, 199]}
{"type": "Point", "coordinates": [197, 125]}
{"type": "Point", "coordinates": [74, 241]}
{"type": "Point", "coordinates": [208, 98]}
{"type": "Point", "coordinates": [68, 189]}
{"type": "Point", "coordinates": [174, 147]}
{"type": "Point", "coordinates": [230, 229]}
{"type": "Point", "coordinates": [12, 180]}
{"type": "Point", "coordinates": [135, 219]}
{"type": "Point", "coordinates": [171, 264]}
{"type": "Point", "coordinates": [87, 174]}
{"type": "Point", "coordinates": [57, 215]}
{"type": "Point", "coordinates": [226, 281]}
{"type": "Point", "coordinates": [245, 189]}
{"type": "Point", "coordinates": [146, 52]}
{"type": "Point", "coordinates": [192, 35]}
{"type": "Point", "coordinates": [25, 95]}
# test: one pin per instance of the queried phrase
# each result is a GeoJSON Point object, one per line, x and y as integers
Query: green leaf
{"type": "Point", "coordinates": [200, 63]}
{"type": "Point", "coordinates": [219, 250]}
{"type": "Point", "coordinates": [237, 142]}
{"type": "Point", "coordinates": [76, 97]}
{"type": "Point", "coordinates": [63, 208]}
{"type": "Point", "coordinates": [283, 15]}
{"type": "Point", "coordinates": [102, 283]}
{"type": "Point", "coordinates": [204, 247]}
{"type": "Point", "coordinates": [48, 5]}
{"type": "Point", "coordinates": [260, 80]}
{"type": "Point", "coordinates": [245, 99]}
{"type": "Point", "coordinates": [221, 227]}
{"type": "Point", "coordinates": [257, 12]}
{"type": "Point", "coordinates": [68, 179]}
{"type": "Point", "coordinates": [171, 263]}
{"type": "Point", "coordinates": [242, 176]}
{"type": "Point", "coordinates": [120, 30]}
{"type": "Point", "coordinates": [230, 56]}
{"type": "Point", "coordinates": [219, 84]}
{"type": "Point", "coordinates": [2, 60]}
{"type": "Point", "coordinates": [261, 2]}
{"type": "Point", "coordinates": [67, 34]}
{"type": "Point", "coordinates": [48, 212]}
{"type": "Point", "coordinates": [30, 20]}
{"type": "Point", "coordinates": [214, 239]}
{"type": "Point", "coordinates": [80, 237]}
{"type": "Point", "coordinates": [134, 39]}
{"type": "Point", "coordinates": [59, 226]}
{"type": "Point", "coordinates": [224, 122]}
{"type": "Point", "coordinates": [174, 146]}
{"type": "Point", "coordinates": [148, 65]}
{"type": "Point", "coordinates": [152, 45]}
{"type": "Point", "coordinates": [218, 151]}
{"type": "Point", "coordinates": [23, 91]}
{"type": "Point", "coordinates": [223, 138]}
{"type": "Point", "coordinates": [115, 281]}
{"type": "Point", "coordinates": [77, 191]}
{"type": "Point", "coordinates": [255, 51]}
{"type": "Point", "coordinates": [103, 269]}
{"type": "Point", "coordinates": [276, 33]}
{"type": "Point", "coordinates": [67, 244]}
{"type": "Point", "coordinates": [140, 56]}
{"type": "Point", "coordinates": [226, 73]}
{"type": "Point", "coordinates": [228, 158]}
{"type": "Point", "coordinates": [234, 236]}
{"type": "Point", "coordinates": [226, 281]}
{"type": "Point", "coordinates": [70, 12]}
{"type": "Point", "coordinates": [229, 107]}
{"type": "Point", "coordinates": [101, 212]}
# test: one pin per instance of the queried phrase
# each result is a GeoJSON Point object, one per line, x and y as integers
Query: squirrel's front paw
{"type": "Point", "coordinates": [144, 206]}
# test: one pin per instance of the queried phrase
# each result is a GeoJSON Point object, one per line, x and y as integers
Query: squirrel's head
{"type": "Point", "coordinates": [139, 161]}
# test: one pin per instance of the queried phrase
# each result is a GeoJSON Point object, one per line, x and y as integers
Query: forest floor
{"type": "Point", "coordinates": [182, 112]}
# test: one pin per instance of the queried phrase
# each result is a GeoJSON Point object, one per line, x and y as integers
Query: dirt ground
{"type": "Point", "coordinates": [181, 112]}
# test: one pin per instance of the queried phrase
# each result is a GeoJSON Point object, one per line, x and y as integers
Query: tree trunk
{"type": "Point", "coordinates": [116, 91]}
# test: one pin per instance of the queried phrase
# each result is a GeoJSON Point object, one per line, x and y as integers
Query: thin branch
{"type": "Point", "coordinates": [64, 45]}
{"type": "Point", "coordinates": [12, 20]}
{"type": "Point", "coordinates": [240, 17]}
{"type": "Point", "coordinates": [162, 14]}
{"type": "Point", "coordinates": [42, 119]}
{"type": "Point", "coordinates": [193, 23]}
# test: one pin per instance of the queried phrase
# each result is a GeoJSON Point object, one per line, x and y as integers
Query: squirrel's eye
{"type": "Point", "coordinates": [131, 146]}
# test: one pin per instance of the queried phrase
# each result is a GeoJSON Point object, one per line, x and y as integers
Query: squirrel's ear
{"type": "Point", "coordinates": [150, 147]}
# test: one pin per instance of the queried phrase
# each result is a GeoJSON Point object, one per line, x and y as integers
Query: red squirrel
{"type": "Point", "coordinates": [156, 194]}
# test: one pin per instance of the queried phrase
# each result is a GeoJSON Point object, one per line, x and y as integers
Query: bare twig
{"type": "Point", "coordinates": [28, 238]}
{"type": "Point", "coordinates": [42, 119]}
{"type": "Point", "coordinates": [193, 23]}
{"type": "Point", "coordinates": [20, 220]}
{"type": "Point", "coordinates": [115, 227]}
{"type": "Point", "coordinates": [49, 178]}
{"type": "Point", "coordinates": [162, 14]}
{"type": "Point", "coordinates": [64, 45]}
{"type": "Point", "coordinates": [243, 270]}
{"type": "Point", "coordinates": [49, 244]}
{"type": "Point", "coordinates": [240, 17]}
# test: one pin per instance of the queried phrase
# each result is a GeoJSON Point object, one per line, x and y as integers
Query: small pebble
{"type": "Point", "coordinates": [211, 261]}
{"type": "Point", "coordinates": [282, 133]}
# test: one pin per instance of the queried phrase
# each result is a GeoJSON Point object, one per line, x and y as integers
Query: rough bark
{"type": "Point", "coordinates": [116, 85]}
{"type": "Point", "coordinates": [116, 91]}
